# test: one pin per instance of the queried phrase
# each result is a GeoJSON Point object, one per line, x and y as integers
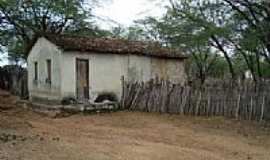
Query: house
{"type": "Point", "coordinates": [84, 67]}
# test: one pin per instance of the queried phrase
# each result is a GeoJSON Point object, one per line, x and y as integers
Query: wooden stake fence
{"type": "Point", "coordinates": [242, 101]}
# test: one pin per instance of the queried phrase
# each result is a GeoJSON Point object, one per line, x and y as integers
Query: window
{"type": "Point", "coordinates": [36, 71]}
{"type": "Point", "coordinates": [49, 71]}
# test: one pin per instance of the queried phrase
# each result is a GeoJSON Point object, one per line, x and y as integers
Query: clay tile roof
{"type": "Point", "coordinates": [112, 45]}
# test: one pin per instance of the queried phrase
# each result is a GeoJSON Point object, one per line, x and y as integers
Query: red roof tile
{"type": "Point", "coordinates": [113, 46]}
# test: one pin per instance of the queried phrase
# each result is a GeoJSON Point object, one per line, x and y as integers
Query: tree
{"type": "Point", "coordinates": [253, 19]}
{"type": "Point", "coordinates": [193, 28]}
{"type": "Point", "coordinates": [22, 20]}
{"type": "Point", "coordinates": [234, 28]}
{"type": "Point", "coordinates": [203, 61]}
{"type": "Point", "coordinates": [206, 22]}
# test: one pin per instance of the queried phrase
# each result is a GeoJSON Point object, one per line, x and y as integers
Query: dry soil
{"type": "Point", "coordinates": [25, 135]}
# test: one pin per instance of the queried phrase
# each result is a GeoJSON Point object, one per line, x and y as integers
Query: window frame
{"type": "Point", "coordinates": [35, 71]}
{"type": "Point", "coordinates": [49, 71]}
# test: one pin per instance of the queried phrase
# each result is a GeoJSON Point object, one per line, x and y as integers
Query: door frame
{"type": "Point", "coordinates": [76, 76]}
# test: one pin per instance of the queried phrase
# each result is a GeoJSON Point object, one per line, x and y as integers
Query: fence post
{"type": "Point", "coordinates": [198, 103]}
{"type": "Point", "coordinates": [123, 98]}
{"type": "Point", "coordinates": [251, 107]}
{"type": "Point", "coordinates": [238, 106]}
{"type": "Point", "coordinates": [262, 108]}
{"type": "Point", "coordinates": [208, 103]}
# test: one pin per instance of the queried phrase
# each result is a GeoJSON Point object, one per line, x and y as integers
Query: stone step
{"type": "Point", "coordinates": [102, 106]}
{"type": "Point", "coordinates": [66, 110]}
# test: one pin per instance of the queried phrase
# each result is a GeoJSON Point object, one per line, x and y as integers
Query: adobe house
{"type": "Point", "coordinates": [83, 67]}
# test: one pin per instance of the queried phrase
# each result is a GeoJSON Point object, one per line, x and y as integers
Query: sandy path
{"type": "Point", "coordinates": [129, 135]}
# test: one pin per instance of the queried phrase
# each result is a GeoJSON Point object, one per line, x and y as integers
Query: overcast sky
{"type": "Point", "coordinates": [3, 59]}
{"type": "Point", "coordinates": [125, 12]}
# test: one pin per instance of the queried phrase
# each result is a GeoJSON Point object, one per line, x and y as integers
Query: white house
{"type": "Point", "coordinates": [83, 67]}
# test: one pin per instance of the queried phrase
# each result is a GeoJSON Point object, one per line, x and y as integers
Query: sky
{"type": "Point", "coordinates": [123, 12]}
{"type": "Point", "coordinates": [3, 59]}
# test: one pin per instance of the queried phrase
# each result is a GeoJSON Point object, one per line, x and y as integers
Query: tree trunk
{"type": "Point", "coordinates": [226, 55]}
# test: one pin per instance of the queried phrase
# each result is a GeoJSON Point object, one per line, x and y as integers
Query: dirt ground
{"type": "Point", "coordinates": [25, 135]}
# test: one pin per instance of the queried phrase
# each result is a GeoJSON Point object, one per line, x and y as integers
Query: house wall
{"type": "Point", "coordinates": [40, 89]}
{"type": "Point", "coordinates": [169, 69]}
{"type": "Point", "coordinates": [138, 69]}
{"type": "Point", "coordinates": [142, 68]}
{"type": "Point", "coordinates": [105, 72]}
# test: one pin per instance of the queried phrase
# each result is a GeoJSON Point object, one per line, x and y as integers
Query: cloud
{"type": "Point", "coordinates": [125, 12]}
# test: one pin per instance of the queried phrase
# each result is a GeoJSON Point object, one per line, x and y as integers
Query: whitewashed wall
{"type": "Point", "coordinates": [105, 72]}
{"type": "Point", "coordinates": [139, 68]}
{"type": "Point", "coordinates": [143, 68]}
{"type": "Point", "coordinates": [169, 69]}
{"type": "Point", "coordinates": [43, 50]}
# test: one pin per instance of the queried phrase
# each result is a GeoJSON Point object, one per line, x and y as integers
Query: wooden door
{"type": "Point", "coordinates": [82, 79]}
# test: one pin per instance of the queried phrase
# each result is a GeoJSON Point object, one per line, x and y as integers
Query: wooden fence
{"type": "Point", "coordinates": [243, 100]}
